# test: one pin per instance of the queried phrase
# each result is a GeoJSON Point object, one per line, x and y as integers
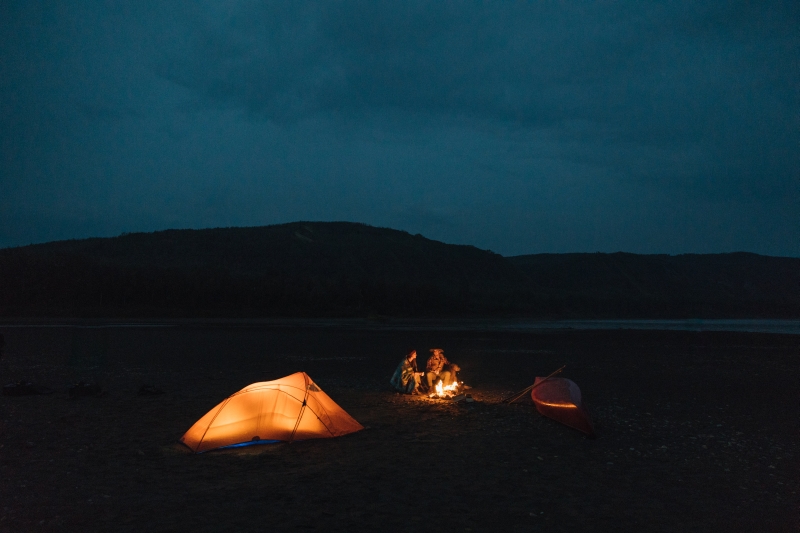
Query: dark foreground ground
{"type": "Point", "coordinates": [697, 432]}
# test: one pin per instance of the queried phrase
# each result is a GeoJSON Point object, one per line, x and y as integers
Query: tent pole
{"type": "Point", "coordinates": [302, 409]}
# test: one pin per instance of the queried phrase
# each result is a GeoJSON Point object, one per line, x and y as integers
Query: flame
{"type": "Point", "coordinates": [442, 391]}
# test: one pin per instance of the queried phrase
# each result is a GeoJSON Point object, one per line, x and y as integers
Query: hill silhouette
{"type": "Point", "coordinates": [341, 269]}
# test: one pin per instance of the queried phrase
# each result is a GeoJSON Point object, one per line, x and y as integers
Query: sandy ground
{"type": "Point", "coordinates": [697, 432]}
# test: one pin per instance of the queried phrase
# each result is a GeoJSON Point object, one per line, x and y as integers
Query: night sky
{"type": "Point", "coordinates": [520, 127]}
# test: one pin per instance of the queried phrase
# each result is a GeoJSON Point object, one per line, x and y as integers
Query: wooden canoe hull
{"type": "Point", "coordinates": [560, 399]}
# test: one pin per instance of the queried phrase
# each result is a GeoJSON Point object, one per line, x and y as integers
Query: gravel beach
{"type": "Point", "coordinates": [697, 431]}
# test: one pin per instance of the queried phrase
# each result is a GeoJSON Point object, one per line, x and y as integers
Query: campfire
{"type": "Point", "coordinates": [447, 373]}
{"type": "Point", "coordinates": [443, 392]}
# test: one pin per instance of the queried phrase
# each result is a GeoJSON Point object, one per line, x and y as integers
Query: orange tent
{"type": "Point", "coordinates": [287, 409]}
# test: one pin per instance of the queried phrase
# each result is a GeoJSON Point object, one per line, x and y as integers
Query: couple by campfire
{"type": "Point", "coordinates": [439, 374]}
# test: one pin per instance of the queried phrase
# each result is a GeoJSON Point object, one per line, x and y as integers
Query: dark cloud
{"type": "Point", "coordinates": [530, 62]}
{"type": "Point", "coordinates": [520, 127]}
{"type": "Point", "coordinates": [709, 82]}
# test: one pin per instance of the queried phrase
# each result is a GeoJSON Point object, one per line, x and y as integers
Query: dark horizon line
{"type": "Point", "coordinates": [126, 233]}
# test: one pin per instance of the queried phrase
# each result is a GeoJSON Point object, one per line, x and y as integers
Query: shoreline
{"type": "Point", "coordinates": [754, 325]}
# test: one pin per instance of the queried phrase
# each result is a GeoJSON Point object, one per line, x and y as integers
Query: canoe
{"type": "Point", "coordinates": [560, 399]}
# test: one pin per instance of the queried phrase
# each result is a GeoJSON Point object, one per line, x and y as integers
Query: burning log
{"type": "Point", "coordinates": [455, 391]}
{"type": "Point", "coordinates": [445, 392]}
{"type": "Point", "coordinates": [447, 386]}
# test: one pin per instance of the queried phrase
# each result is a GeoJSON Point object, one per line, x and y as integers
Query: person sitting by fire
{"type": "Point", "coordinates": [406, 378]}
{"type": "Point", "coordinates": [439, 368]}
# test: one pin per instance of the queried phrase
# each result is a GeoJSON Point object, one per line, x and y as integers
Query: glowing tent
{"type": "Point", "coordinates": [287, 409]}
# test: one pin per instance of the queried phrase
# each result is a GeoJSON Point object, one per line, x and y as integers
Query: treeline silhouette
{"type": "Point", "coordinates": [340, 269]}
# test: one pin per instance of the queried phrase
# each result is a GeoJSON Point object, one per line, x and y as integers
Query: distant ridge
{"type": "Point", "coordinates": [342, 269]}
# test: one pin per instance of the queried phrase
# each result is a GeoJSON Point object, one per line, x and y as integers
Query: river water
{"type": "Point", "coordinates": [783, 326]}
{"type": "Point", "coordinates": [791, 327]}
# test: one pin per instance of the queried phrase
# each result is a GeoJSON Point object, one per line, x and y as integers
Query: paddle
{"type": "Point", "coordinates": [517, 395]}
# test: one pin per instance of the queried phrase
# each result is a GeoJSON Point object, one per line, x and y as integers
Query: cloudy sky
{"type": "Point", "coordinates": [520, 127]}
